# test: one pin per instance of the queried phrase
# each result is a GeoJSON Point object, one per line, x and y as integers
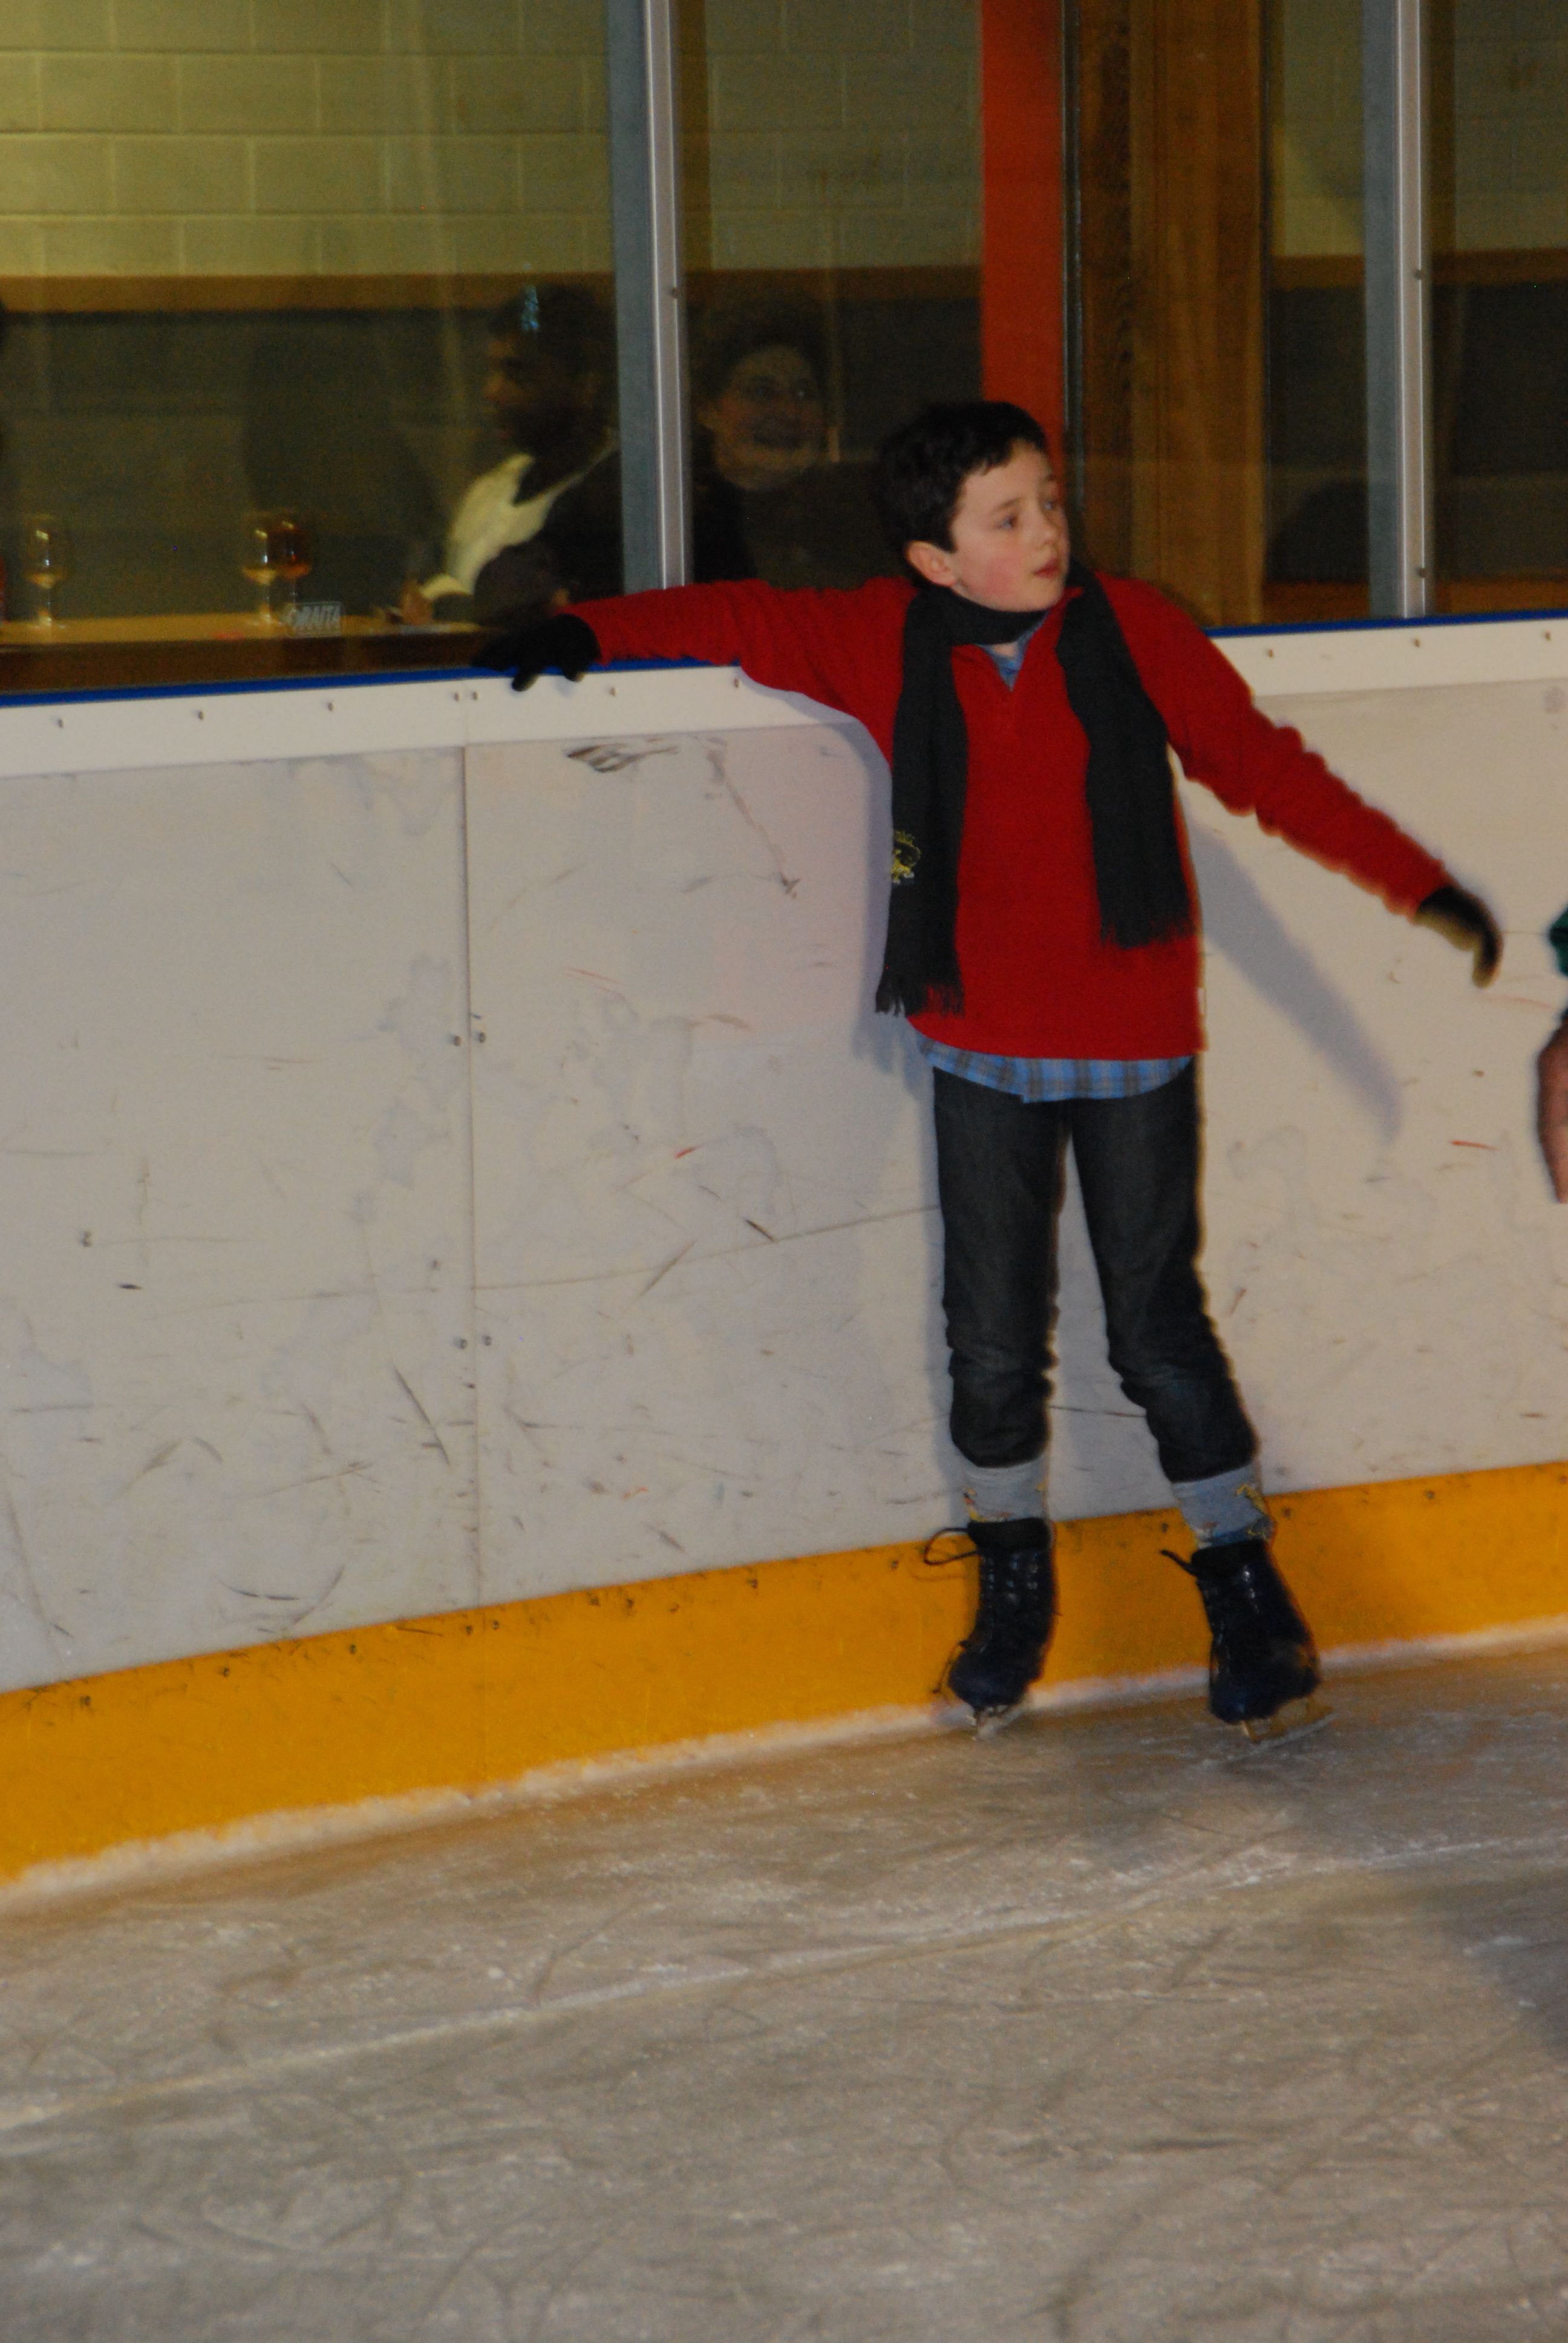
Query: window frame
{"type": "Point", "coordinates": [643, 63]}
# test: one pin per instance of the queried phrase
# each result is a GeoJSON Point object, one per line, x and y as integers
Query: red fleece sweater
{"type": "Point", "coordinates": [1038, 980]}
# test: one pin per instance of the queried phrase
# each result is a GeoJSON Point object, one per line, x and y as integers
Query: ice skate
{"type": "Point", "coordinates": [1287, 1724]}
{"type": "Point", "coordinates": [1263, 1662]}
{"type": "Point", "coordinates": [1005, 1649]}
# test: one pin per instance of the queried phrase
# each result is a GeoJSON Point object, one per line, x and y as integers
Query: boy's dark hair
{"type": "Point", "coordinates": [921, 467]}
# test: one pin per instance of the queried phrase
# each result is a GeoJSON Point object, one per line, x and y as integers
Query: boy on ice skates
{"type": "Point", "coordinates": [1043, 944]}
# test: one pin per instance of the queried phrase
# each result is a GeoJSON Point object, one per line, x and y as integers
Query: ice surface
{"type": "Point", "coordinates": [1111, 2030]}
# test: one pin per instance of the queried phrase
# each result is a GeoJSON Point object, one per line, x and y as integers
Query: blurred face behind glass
{"type": "Point", "coordinates": [531, 396]}
{"type": "Point", "coordinates": [767, 423]}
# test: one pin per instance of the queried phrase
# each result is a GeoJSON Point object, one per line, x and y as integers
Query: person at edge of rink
{"type": "Point", "coordinates": [1042, 943]}
{"type": "Point", "coordinates": [549, 389]}
{"type": "Point", "coordinates": [1551, 1081]}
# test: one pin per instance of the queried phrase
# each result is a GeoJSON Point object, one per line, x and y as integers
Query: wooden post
{"type": "Point", "coordinates": [1104, 78]}
{"type": "Point", "coordinates": [1172, 139]}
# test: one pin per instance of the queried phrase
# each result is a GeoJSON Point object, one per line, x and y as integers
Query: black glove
{"type": "Point", "coordinates": [565, 643]}
{"type": "Point", "coordinates": [1465, 920]}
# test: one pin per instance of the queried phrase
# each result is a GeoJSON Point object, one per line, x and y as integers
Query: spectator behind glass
{"type": "Point", "coordinates": [767, 503]}
{"type": "Point", "coordinates": [549, 389]}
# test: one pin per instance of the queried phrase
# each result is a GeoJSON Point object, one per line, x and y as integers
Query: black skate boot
{"type": "Point", "coordinates": [1002, 1654]}
{"type": "Point", "coordinates": [1263, 1663]}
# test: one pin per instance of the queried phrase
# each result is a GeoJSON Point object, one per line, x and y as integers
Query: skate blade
{"type": "Point", "coordinates": [1287, 1724]}
{"type": "Point", "coordinates": [990, 1721]}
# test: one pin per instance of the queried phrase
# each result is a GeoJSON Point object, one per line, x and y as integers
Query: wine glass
{"type": "Point", "coordinates": [275, 545]}
{"type": "Point", "coordinates": [294, 542]}
{"type": "Point", "coordinates": [46, 560]}
{"type": "Point", "coordinates": [258, 562]}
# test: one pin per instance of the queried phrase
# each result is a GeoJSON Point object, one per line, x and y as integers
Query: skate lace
{"type": "Point", "coordinates": [1226, 1599]}
{"type": "Point", "coordinates": [935, 1561]}
{"type": "Point", "coordinates": [1209, 1577]}
{"type": "Point", "coordinates": [1232, 1601]}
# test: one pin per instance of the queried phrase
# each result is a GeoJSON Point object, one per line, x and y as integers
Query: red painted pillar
{"type": "Point", "coordinates": [1021, 354]}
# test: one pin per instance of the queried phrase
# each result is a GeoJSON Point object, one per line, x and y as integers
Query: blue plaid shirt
{"type": "Point", "coordinates": [1047, 1081]}
{"type": "Point", "coordinates": [1043, 1082]}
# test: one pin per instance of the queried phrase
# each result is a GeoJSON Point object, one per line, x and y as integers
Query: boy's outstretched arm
{"type": "Point", "coordinates": [1255, 766]}
{"type": "Point", "coordinates": [836, 647]}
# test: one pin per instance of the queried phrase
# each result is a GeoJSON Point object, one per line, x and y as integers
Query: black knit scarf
{"type": "Point", "coordinates": [1139, 878]}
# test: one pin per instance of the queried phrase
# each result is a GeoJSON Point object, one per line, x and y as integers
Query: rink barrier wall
{"type": "Point", "coordinates": [437, 1701]}
{"type": "Point", "coordinates": [474, 1699]}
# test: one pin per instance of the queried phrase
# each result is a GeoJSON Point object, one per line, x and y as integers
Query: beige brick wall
{"type": "Point", "coordinates": [1510, 130]}
{"type": "Point", "coordinates": [843, 131]}
{"type": "Point", "coordinates": [1315, 57]}
{"type": "Point", "coordinates": [350, 137]}
{"type": "Point", "coordinates": [1510, 126]}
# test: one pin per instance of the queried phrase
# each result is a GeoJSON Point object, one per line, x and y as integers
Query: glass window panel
{"type": "Point", "coordinates": [1500, 236]}
{"type": "Point", "coordinates": [1317, 507]}
{"type": "Point", "coordinates": [1170, 450]}
{"type": "Point", "coordinates": [252, 257]}
{"type": "Point", "coordinates": [832, 198]}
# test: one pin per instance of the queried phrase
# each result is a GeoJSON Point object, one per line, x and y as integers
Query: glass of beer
{"type": "Point", "coordinates": [293, 543]}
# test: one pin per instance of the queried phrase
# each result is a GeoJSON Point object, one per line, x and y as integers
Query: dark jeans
{"type": "Point", "coordinates": [999, 1171]}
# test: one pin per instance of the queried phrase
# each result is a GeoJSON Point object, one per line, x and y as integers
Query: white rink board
{"type": "Point", "coordinates": [234, 1197]}
{"type": "Point", "coordinates": [707, 1256]}
{"type": "Point", "coordinates": [1384, 1256]}
{"type": "Point", "coordinates": [698, 1208]}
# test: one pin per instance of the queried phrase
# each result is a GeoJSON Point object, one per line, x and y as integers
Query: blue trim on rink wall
{"type": "Point", "coordinates": [327, 682]}
{"type": "Point", "coordinates": [1391, 626]}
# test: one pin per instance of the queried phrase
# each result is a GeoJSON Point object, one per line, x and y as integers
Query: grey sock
{"type": "Point", "coordinates": [1004, 1493]}
{"type": "Point", "coordinates": [1225, 1507]}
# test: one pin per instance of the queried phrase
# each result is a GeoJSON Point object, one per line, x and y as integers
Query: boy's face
{"type": "Point", "coordinates": [1010, 548]}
